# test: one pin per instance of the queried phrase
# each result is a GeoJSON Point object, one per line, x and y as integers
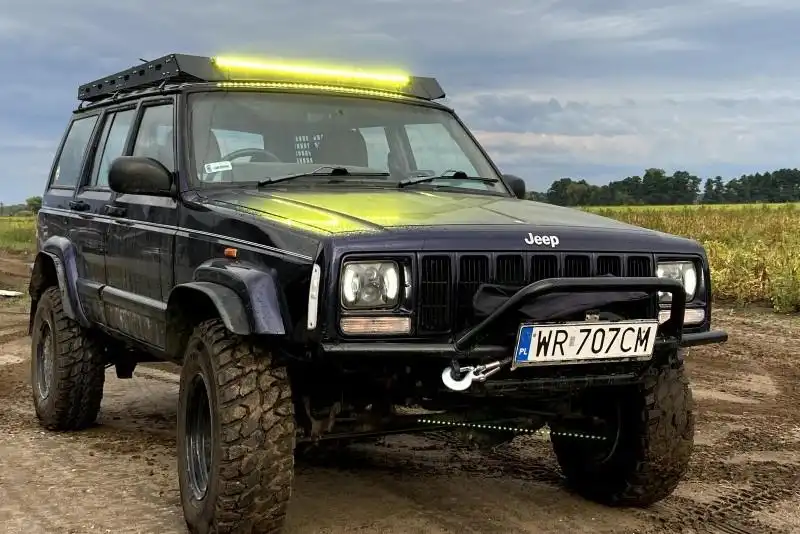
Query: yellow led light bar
{"type": "Point", "coordinates": [383, 78]}
{"type": "Point", "coordinates": [310, 86]}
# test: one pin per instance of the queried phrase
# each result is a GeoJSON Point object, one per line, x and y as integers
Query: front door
{"type": "Point", "coordinates": [141, 237]}
{"type": "Point", "coordinates": [90, 226]}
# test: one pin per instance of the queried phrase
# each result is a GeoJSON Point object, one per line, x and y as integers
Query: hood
{"type": "Point", "coordinates": [337, 212]}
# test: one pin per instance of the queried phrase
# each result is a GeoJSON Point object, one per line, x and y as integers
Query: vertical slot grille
{"type": "Point", "coordinates": [639, 266]}
{"type": "Point", "coordinates": [609, 265]}
{"type": "Point", "coordinates": [577, 266]}
{"type": "Point", "coordinates": [544, 266]}
{"type": "Point", "coordinates": [472, 272]}
{"type": "Point", "coordinates": [448, 282]}
{"type": "Point", "coordinates": [434, 294]}
{"type": "Point", "coordinates": [510, 270]}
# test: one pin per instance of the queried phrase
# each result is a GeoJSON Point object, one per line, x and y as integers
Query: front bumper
{"type": "Point", "coordinates": [447, 350]}
{"type": "Point", "coordinates": [465, 345]}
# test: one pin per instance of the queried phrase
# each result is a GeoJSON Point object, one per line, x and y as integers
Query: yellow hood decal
{"type": "Point", "coordinates": [334, 212]}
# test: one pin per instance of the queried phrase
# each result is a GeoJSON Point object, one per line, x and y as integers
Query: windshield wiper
{"type": "Point", "coordinates": [332, 170]}
{"type": "Point", "coordinates": [457, 175]}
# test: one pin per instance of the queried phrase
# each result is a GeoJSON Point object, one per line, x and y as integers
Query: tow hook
{"type": "Point", "coordinates": [457, 378]}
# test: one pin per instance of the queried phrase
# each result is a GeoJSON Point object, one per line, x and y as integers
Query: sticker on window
{"type": "Point", "coordinates": [218, 166]}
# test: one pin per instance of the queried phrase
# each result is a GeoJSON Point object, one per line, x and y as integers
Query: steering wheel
{"type": "Point", "coordinates": [242, 152]}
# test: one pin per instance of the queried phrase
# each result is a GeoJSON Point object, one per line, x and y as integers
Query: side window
{"type": "Point", "coordinates": [435, 149]}
{"type": "Point", "coordinates": [154, 138]}
{"type": "Point", "coordinates": [230, 141]}
{"type": "Point", "coordinates": [115, 132]}
{"type": "Point", "coordinates": [68, 168]}
{"type": "Point", "coordinates": [377, 146]}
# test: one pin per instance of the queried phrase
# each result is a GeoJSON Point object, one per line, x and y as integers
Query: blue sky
{"type": "Point", "coordinates": [582, 88]}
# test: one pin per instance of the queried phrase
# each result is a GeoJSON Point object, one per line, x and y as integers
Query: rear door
{"type": "Point", "coordinates": [141, 236]}
{"type": "Point", "coordinates": [90, 227]}
{"type": "Point", "coordinates": [62, 215]}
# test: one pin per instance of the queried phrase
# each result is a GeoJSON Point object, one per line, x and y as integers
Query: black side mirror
{"type": "Point", "coordinates": [134, 175]}
{"type": "Point", "coordinates": [516, 184]}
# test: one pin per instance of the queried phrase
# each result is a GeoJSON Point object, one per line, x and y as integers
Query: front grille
{"type": "Point", "coordinates": [449, 281]}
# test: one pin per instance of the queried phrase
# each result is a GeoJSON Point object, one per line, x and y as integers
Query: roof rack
{"type": "Point", "coordinates": [183, 68]}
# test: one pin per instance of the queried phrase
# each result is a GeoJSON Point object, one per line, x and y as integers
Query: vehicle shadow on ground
{"type": "Point", "coordinates": [406, 483]}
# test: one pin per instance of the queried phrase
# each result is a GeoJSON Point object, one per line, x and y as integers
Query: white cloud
{"type": "Point", "coordinates": [555, 86]}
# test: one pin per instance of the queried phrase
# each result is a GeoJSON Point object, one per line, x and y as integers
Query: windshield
{"type": "Point", "coordinates": [256, 136]}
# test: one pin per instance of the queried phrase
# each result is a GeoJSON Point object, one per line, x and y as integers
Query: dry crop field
{"type": "Point", "coordinates": [745, 475]}
{"type": "Point", "coordinates": [753, 249]}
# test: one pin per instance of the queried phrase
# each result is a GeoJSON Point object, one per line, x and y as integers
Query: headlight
{"type": "Point", "coordinates": [370, 285]}
{"type": "Point", "coordinates": [684, 271]}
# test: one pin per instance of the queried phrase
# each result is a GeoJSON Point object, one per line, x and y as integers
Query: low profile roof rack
{"type": "Point", "coordinates": [183, 68]}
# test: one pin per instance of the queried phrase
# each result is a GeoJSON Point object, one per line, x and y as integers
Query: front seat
{"type": "Point", "coordinates": [342, 146]}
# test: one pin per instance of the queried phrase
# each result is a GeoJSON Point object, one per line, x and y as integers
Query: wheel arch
{"type": "Point", "coordinates": [193, 302]}
{"type": "Point", "coordinates": [248, 299]}
{"type": "Point", "coordinates": [55, 265]}
{"type": "Point", "coordinates": [258, 289]}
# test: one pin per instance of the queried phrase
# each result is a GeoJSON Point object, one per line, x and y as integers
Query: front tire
{"type": "Point", "coordinates": [67, 368]}
{"type": "Point", "coordinates": [235, 435]}
{"type": "Point", "coordinates": [649, 438]}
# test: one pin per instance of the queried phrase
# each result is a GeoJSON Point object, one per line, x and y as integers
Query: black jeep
{"type": "Point", "coordinates": [330, 255]}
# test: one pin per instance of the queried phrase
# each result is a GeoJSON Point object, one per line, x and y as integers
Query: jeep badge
{"type": "Point", "coordinates": [550, 240]}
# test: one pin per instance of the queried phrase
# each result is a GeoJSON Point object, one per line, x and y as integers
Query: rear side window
{"type": "Point", "coordinates": [68, 166]}
{"type": "Point", "coordinates": [115, 132]}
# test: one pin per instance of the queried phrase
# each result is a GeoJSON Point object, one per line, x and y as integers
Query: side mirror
{"type": "Point", "coordinates": [516, 184]}
{"type": "Point", "coordinates": [134, 175]}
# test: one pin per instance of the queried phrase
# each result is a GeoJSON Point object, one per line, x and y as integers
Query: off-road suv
{"type": "Point", "coordinates": [330, 254]}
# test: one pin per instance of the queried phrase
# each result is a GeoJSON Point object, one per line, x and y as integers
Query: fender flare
{"type": "Point", "coordinates": [225, 300]}
{"type": "Point", "coordinates": [61, 251]}
{"type": "Point", "coordinates": [258, 290]}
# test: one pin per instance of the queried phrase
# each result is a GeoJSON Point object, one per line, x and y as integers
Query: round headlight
{"type": "Point", "coordinates": [683, 271]}
{"type": "Point", "coordinates": [370, 285]}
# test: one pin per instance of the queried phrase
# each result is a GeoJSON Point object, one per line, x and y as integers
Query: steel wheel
{"type": "Point", "coordinates": [45, 361]}
{"type": "Point", "coordinates": [198, 443]}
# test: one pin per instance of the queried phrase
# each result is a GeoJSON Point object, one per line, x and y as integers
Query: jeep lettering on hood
{"type": "Point", "coordinates": [546, 240]}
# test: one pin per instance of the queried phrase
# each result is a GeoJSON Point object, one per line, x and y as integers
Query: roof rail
{"type": "Point", "coordinates": [184, 68]}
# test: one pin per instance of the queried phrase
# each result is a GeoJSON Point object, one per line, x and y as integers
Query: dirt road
{"type": "Point", "coordinates": [120, 476]}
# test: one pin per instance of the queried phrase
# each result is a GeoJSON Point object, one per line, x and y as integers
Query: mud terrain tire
{"type": "Point", "coordinates": [67, 368]}
{"type": "Point", "coordinates": [235, 435]}
{"type": "Point", "coordinates": [653, 445]}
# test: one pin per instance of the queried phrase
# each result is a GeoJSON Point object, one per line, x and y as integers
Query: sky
{"type": "Point", "coordinates": [593, 89]}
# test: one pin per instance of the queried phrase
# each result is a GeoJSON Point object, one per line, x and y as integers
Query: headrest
{"type": "Point", "coordinates": [342, 147]}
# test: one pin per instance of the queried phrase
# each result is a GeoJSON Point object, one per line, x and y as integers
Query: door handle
{"type": "Point", "coordinates": [78, 205]}
{"type": "Point", "coordinates": [116, 211]}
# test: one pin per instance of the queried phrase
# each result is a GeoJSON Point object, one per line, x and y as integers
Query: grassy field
{"type": "Point", "coordinates": [679, 207]}
{"type": "Point", "coordinates": [754, 249]}
{"type": "Point", "coordinates": [18, 234]}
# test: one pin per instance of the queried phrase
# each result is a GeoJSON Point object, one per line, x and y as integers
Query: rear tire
{"type": "Point", "coordinates": [67, 368]}
{"type": "Point", "coordinates": [646, 452]}
{"type": "Point", "coordinates": [235, 435]}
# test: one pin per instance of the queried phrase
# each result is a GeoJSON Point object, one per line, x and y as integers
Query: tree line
{"type": "Point", "coordinates": [31, 207]}
{"type": "Point", "coordinates": [656, 187]}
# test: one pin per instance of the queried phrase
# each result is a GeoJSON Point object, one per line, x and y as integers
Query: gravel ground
{"type": "Point", "coordinates": [120, 476]}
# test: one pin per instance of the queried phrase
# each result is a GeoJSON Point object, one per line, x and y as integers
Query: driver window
{"type": "Point", "coordinates": [154, 138]}
{"type": "Point", "coordinates": [435, 150]}
{"type": "Point", "coordinates": [377, 146]}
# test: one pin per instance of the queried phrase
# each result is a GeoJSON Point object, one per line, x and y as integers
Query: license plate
{"type": "Point", "coordinates": [584, 342]}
